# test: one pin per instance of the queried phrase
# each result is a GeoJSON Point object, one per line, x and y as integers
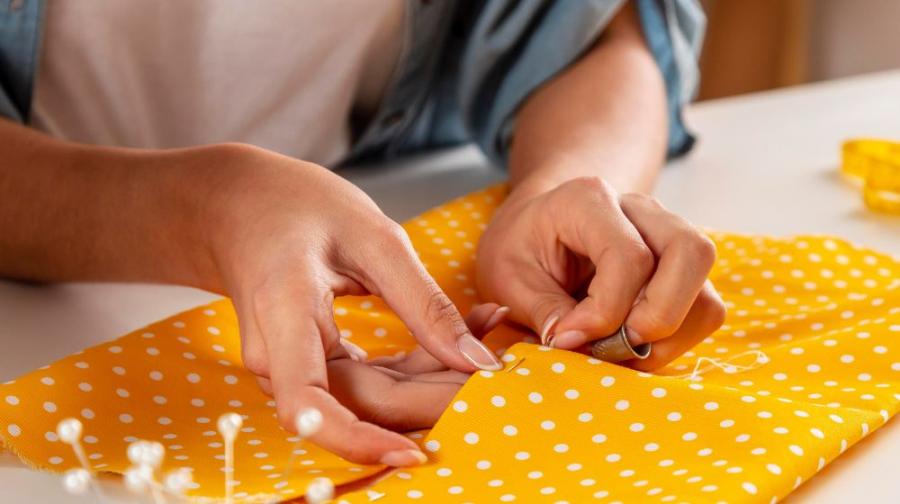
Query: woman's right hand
{"type": "Point", "coordinates": [283, 238]}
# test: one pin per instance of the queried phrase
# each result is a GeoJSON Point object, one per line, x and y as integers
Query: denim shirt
{"type": "Point", "coordinates": [465, 67]}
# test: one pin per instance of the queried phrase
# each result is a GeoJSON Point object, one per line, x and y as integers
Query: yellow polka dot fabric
{"type": "Point", "coordinates": [806, 365]}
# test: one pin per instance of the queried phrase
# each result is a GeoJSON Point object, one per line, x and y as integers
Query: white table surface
{"type": "Point", "coordinates": [765, 163]}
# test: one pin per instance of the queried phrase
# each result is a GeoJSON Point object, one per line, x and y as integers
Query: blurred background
{"type": "Point", "coordinates": [753, 45]}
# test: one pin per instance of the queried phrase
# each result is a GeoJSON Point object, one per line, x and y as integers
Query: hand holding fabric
{"type": "Point", "coordinates": [287, 238]}
{"type": "Point", "coordinates": [577, 262]}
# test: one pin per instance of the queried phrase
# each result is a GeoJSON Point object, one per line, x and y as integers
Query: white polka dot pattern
{"type": "Point", "coordinates": [552, 426]}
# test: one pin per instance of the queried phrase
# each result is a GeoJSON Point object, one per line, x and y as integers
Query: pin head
{"type": "Point", "coordinates": [229, 424]}
{"type": "Point", "coordinates": [138, 478]}
{"type": "Point", "coordinates": [308, 422]}
{"type": "Point", "coordinates": [76, 481]}
{"type": "Point", "coordinates": [178, 480]}
{"type": "Point", "coordinates": [146, 453]}
{"type": "Point", "coordinates": [319, 490]}
{"type": "Point", "coordinates": [69, 430]}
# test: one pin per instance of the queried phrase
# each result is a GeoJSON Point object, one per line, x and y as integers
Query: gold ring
{"type": "Point", "coordinates": [617, 348]}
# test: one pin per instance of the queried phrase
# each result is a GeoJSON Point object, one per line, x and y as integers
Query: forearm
{"type": "Point", "coordinates": [74, 212]}
{"type": "Point", "coordinates": [604, 116]}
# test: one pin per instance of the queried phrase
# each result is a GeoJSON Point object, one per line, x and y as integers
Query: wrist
{"type": "Point", "coordinates": [163, 213]}
{"type": "Point", "coordinates": [207, 185]}
{"type": "Point", "coordinates": [623, 177]}
{"type": "Point", "coordinates": [534, 181]}
{"type": "Point", "coordinates": [532, 186]}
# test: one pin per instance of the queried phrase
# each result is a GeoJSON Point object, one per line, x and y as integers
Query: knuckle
{"type": "Point", "coordinates": [640, 199]}
{"type": "Point", "coordinates": [286, 416]}
{"type": "Point", "coordinates": [712, 310]}
{"type": "Point", "coordinates": [439, 310]}
{"type": "Point", "coordinates": [660, 322]}
{"type": "Point", "coordinates": [594, 188]}
{"type": "Point", "coordinates": [630, 200]}
{"type": "Point", "coordinates": [591, 183]}
{"type": "Point", "coordinates": [306, 289]}
{"type": "Point", "coordinates": [265, 385]}
{"type": "Point", "coordinates": [256, 362]}
{"type": "Point", "coordinates": [639, 256]}
{"type": "Point", "coordinates": [288, 405]}
{"type": "Point", "coordinates": [700, 248]}
{"type": "Point", "coordinates": [384, 237]}
{"type": "Point", "coordinates": [392, 234]}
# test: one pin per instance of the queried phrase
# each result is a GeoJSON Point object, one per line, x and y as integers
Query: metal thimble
{"type": "Point", "coordinates": [617, 348]}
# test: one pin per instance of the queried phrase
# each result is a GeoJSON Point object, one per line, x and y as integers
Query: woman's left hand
{"type": "Point", "coordinates": [577, 262]}
{"type": "Point", "coordinates": [405, 392]}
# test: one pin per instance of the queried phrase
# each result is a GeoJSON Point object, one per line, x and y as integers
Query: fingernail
{"type": "Point", "coordinates": [568, 339]}
{"type": "Point", "coordinates": [478, 354]}
{"type": "Point", "coordinates": [355, 351]}
{"type": "Point", "coordinates": [633, 337]}
{"type": "Point", "coordinates": [548, 325]}
{"type": "Point", "coordinates": [403, 458]}
{"type": "Point", "coordinates": [496, 318]}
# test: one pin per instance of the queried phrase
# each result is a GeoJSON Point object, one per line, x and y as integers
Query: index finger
{"type": "Point", "coordinates": [623, 262]}
{"type": "Point", "coordinates": [299, 381]}
{"type": "Point", "coordinates": [481, 320]}
{"type": "Point", "coordinates": [685, 259]}
{"type": "Point", "coordinates": [403, 282]}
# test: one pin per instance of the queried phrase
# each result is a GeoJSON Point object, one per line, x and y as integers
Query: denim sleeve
{"type": "Point", "coordinates": [513, 47]}
{"type": "Point", "coordinates": [674, 32]}
{"type": "Point", "coordinates": [20, 34]}
{"type": "Point", "coordinates": [21, 24]}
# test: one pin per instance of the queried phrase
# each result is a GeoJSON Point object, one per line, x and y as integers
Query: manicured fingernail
{"type": "Point", "coordinates": [568, 339]}
{"type": "Point", "coordinates": [496, 318]}
{"type": "Point", "coordinates": [403, 458]}
{"type": "Point", "coordinates": [633, 337]}
{"type": "Point", "coordinates": [548, 326]}
{"type": "Point", "coordinates": [355, 351]}
{"type": "Point", "coordinates": [478, 354]}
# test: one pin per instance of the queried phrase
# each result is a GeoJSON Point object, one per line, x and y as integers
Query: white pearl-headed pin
{"type": "Point", "coordinates": [77, 481]}
{"type": "Point", "coordinates": [177, 481]}
{"type": "Point", "coordinates": [319, 490]}
{"type": "Point", "coordinates": [138, 478]}
{"type": "Point", "coordinates": [69, 430]}
{"type": "Point", "coordinates": [146, 453]}
{"type": "Point", "coordinates": [308, 422]}
{"type": "Point", "coordinates": [229, 424]}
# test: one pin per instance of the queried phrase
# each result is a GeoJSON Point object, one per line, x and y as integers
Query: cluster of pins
{"type": "Point", "coordinates": [146, 458]}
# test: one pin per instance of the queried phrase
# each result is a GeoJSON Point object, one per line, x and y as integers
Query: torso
{"type": "Point", "coordinates": [281, 74]}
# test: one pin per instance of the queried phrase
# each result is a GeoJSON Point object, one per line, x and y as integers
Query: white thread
{"type": "Point", "coordinates": [726, 365]}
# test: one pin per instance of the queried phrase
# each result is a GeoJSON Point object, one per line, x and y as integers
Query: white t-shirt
{"type": "Point", "coordinates": [282, 74]}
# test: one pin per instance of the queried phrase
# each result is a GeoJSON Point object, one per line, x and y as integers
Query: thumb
{"type": "Point", "coordinates": [427, 311]}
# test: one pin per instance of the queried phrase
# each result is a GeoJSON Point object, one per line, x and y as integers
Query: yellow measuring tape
{"type": "Point", "coordinates": [877, 164]}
